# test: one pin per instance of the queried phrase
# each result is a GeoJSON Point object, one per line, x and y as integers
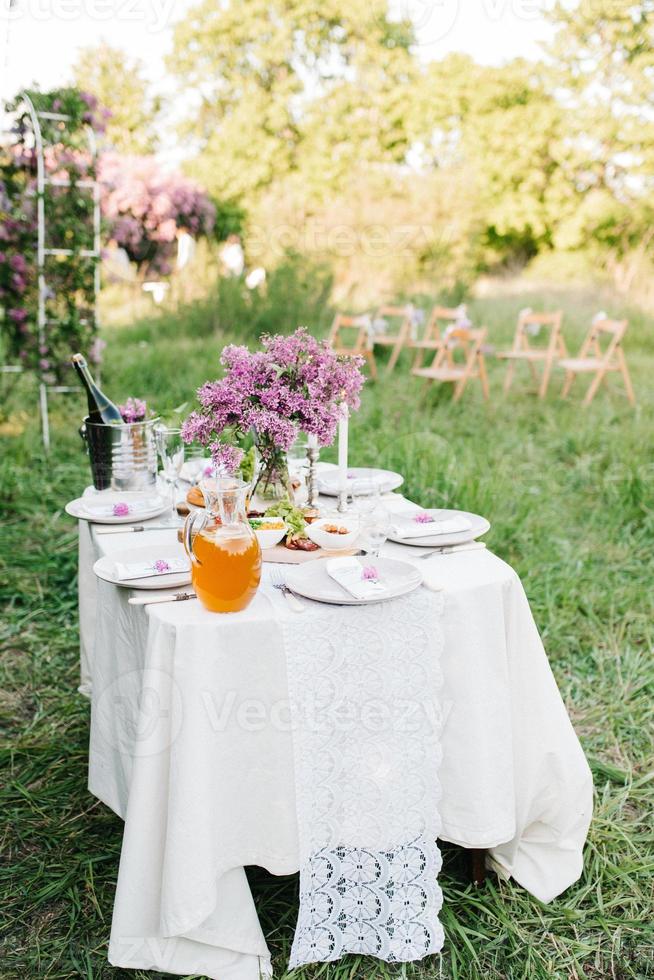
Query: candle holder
{"type": "Point", "coordinates": [342, 502]}
{"type": "Point", "coordinates": [312, 483]}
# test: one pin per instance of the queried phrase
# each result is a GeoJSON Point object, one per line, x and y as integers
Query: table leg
{"type": "Point", "coordinates": [478, 867]}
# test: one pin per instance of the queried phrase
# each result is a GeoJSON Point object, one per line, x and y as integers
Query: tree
{"type": "Point", "coordinates": [285, 84]}
{"type": "Point", "coordinates": [506, 128]}
{"type": "Point", "coordinates": [603, 67]}
{"type": "Point", "coordinates": [119, 85]}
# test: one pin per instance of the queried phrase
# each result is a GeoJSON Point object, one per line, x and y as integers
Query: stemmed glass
{"type": "Point", "coordinates": [374, 518]}
{"type": "Point", "coordinates": [298, 466]}
{"type": "Point", "coordinates": [170, 447]}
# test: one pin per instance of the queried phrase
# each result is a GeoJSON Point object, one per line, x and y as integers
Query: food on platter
{"type": "Point", "coordinates": [296, 543]}
{"type": "Point", "coordinates": [335, 529]}
{"type": "Point", "coordinates": [334, 533]}
{"type": "Point", "coordinates": [194, 497]}
{"type": "Point", "coordinates": [296, 539]}
{"type": "Point", "coordinates": [266, 523]}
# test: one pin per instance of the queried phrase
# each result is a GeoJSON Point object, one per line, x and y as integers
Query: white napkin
{"type": "Point", "coordinates": [348, 572]}
{"type": "Point", "coordinates": [410, 528]}
{"type": "Point", "coordinates": [101, 508]}
{"type": "Point", "coordinates": [149, 569]}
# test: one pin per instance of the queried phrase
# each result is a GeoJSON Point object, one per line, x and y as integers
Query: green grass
{"type": "Point", "coordinates": [569, 492]}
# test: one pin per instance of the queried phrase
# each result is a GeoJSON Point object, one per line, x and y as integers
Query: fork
{"type": "Point", "coordinates": [278, 581]}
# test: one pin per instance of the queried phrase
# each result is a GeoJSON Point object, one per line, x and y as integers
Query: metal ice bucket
{"type": "Point", "coordinates": [123, 457]}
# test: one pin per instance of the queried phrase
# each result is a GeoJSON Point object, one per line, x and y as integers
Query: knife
{"type": "Point", "coordinates": [455, 549]}
{"type": "Point", "coordinates": [146, 600]}
{"type": "Point", "coordinates": [134, 528]}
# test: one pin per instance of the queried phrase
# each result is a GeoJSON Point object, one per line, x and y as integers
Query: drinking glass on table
{"type": "Point", "coordinates": [170, 447]}
{"type": "Point", "coordinates": [374, 517]}
{"type": "Point", "coordinates": [298, 468]}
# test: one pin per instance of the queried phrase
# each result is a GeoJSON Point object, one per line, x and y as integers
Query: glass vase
{"type": "Point", "coordinates": [272, 480]}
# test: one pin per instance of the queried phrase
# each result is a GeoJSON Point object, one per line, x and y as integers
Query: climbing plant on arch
{"type": "Point", "coordinates": [49, 234]}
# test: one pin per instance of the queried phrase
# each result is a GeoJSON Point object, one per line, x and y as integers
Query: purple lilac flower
{"type": "Point", "coordinates": [120, 510]}
{"type": "Point", "coordinates": [295, 383]}
{"type": "Point", "coordinates": [370, 574]}
{"type": "Point", "coordinates": [18, 264]}
{"type": "Point", "coordinates": [226, 459]}
{"type": "Point", "coordinates": [18, 315]}
{"type": "Point", "coordinates": [423, 518]}
{"type": "Point", "coordinates": [161, 566]}
{"type": "Point", "coordinates": [134, 410]}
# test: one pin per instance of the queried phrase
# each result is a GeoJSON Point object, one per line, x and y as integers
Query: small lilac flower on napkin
{"type": "Point", "coordinates": [121, 510]}
{"type": "Point", "coordinates": [423, 518]}
{"type": "Point", "coordinates": [161, 566]}
{"type": "Point", "coordinates": [370, 574]}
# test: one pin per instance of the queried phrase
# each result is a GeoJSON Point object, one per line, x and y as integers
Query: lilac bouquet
{"type": "Point", "coordinates": [296, 383]}
{"type": "Point", "coordinates": [134, 410]}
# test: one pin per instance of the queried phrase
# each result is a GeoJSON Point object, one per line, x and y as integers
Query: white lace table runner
{"type": "Point", "coordinates": [364, 689]}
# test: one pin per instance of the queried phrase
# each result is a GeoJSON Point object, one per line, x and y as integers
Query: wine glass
{"type": "Point", "coordinates": [170, 447]}
{"type": "Point", "coordinates": [374, 517]}
{"type": "Point", "coordinates": [298, 467]}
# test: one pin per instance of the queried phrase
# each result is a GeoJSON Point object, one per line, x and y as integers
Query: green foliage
{"type": "Point", "coordinates": [68, 159]}
{"type": "Point", "coordinates": [283, 81]}
{"type": "Point", "coordinates": [569, 493]}
{"type": "Point", "coordinates": [118, 83]}
{"type": "Point", "coordinates": [314, 111]}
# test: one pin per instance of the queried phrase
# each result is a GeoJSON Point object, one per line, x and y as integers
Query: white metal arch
{"type": "Point", "coordinates": [42, 251]}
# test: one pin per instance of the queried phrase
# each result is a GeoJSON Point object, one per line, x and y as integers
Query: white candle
{"type": "Point", "coordinates": [342, 448]}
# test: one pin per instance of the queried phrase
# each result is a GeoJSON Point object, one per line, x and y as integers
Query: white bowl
{"type": "Point", "coordinates": [268, 539]}
{"type": "Point", "coordinates": [330, 541]}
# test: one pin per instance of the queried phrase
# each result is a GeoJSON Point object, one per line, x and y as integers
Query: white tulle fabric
{"type": "Point", "coordinates": [364, 688]}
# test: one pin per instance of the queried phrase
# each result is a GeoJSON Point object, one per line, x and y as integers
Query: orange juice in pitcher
{"type": "Point", "coordinates": [225, 553]}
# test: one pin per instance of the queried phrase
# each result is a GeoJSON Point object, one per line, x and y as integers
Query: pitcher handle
{"type": "Point", "coordinates": [188, 533]}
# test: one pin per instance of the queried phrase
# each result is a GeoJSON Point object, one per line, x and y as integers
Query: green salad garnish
{"type": "Point", "coordinates": [291, 514]}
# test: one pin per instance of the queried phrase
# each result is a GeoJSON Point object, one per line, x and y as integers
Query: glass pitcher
{"type": "Point", "coordinates": [224, 552]}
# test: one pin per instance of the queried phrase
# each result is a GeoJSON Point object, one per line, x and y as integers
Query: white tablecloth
{"type": "Point", "coordinates": [191, 746]}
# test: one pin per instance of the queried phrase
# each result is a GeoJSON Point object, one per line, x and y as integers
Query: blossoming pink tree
{"type": "Point", "coordinates": [145, 206]}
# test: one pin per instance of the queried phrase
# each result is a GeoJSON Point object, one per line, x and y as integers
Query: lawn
{"type": "Point", "coordinates": [570, 496]}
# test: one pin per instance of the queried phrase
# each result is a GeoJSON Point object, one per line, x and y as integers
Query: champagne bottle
{"type": "Point", "coordinates": [101, 409]}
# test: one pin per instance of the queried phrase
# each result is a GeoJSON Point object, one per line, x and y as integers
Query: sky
{"type": "Point", "coordinates": [40, 39]}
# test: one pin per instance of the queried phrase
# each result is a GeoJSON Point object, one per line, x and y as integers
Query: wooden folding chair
{"type": "Point", "coordinates": [432, 338]}
{"type": "Point", "coordinates": [446, 368]}
{"type": "Point", "coordinates": [529, 324]}
{"type": "Point", "coordinates": [356, 329]}
{"type": "Point", "coordinates": [398, 339]}
{"type": "Point", "coordinates": [592, 360]}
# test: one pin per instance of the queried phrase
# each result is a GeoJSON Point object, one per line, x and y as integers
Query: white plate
{"type": "Point", "coordinates": [329, 485]}
{"type": "Point", "coordinates": [104, 567]}
{"type": "Point", "coordinates": [312, 581]}
{"type": "Point", "coordinates": [479, 526]}
{"type": "Point", "coordinates": [83, 507]}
